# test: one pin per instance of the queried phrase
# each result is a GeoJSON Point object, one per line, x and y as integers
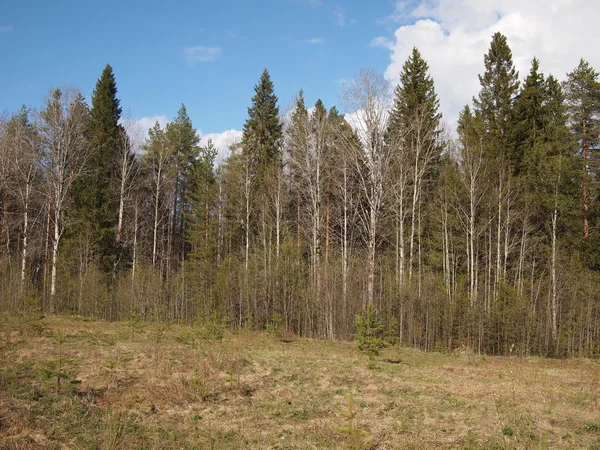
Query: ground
{"type": "Point", "coordinates": [69, 383]}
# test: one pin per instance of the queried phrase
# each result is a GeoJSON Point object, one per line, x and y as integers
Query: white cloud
{"type": "Point", "coordinates": [314, 41]}
{"type": "Point", "coordinates": [145, 123]}
{"type": "Point", "coordinates": [137, 129]}
{"type": "Point", "coordinates": [381, 41]}
{"type": "Point", "coordinates": [201, 53]}
{"type": "Point", "coordinates": [454, 35]}
{"type": "Point", "coordinates": [222, 142]}
{"type": "Point", "coordinates": [6, 28]}
{"type": "Point", "coordinates": [336, 10]}
{"type": "Point", "coordinates": [340, 18]}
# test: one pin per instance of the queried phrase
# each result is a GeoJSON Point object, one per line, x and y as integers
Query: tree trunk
{"type": "Point", "coordinates": [371, 256]}
{"type": "Point", "coordinates": [155, 232]}
{"type": "Point", "coordinates": [46, 246]}
{"type": "Point", "coordinates": [25, 236]}
{"type": "Point", "coordinates": [585, 145]}
{"type": "Point", "coordinates": [554, 284]}
{"type": "Point", "coordinates": [54, 257]}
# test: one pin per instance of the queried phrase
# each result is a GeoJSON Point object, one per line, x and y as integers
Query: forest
{"type": "Point", "coordinates": [484, 237]}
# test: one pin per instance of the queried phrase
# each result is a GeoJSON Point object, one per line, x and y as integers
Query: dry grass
{"type": "Point", "coordinates": [131, 385]}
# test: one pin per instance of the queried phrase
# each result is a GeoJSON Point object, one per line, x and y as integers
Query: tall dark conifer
{"type": "Point", "coordinates": [415, 117]}
{"type": "Point", "coordinates": [414, 132]}
{"type": "Point", "coordinates": [95, 193]}
{"type": "Point", "coordinates": [415, 99]}
{"type": "Point", "coordinates": [494, 104]}
{"type": "Point", "coordinates": [529, 118]}
{"type": "Point", "coordinates": [262, 130]}
{"type": "Point", "coordinates": [183, 140]}
{"type": "Point", "coordinates": [582, 90]}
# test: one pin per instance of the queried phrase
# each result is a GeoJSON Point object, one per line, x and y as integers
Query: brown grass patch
{"type": "Point", "coordinates": [131, 385]}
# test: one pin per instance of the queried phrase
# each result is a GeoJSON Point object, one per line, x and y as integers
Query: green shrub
{"type": "Point", "coordinates": [370, 333]}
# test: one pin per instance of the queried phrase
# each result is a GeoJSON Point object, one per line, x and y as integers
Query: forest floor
{"type": "Point", "coordinates": [70, 383]}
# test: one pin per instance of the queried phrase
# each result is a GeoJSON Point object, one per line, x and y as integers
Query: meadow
{"type": "Point", "coordinates": [71, 382]}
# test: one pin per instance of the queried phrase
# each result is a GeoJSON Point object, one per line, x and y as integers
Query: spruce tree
{"type": "Point", "coordinates": [494, 104]}
{"type": "Point", "coordinates": [183, 141]}
{"type": "Point", "coordinates": [413, 133]}
{"type": "Point", "coordinates": [199, 236]}
{"type": "Point", "coordinates": [529, 118]}
{"type": "Point", "coordinates": [95, 193]}
{"type": "Point", "coordinates": [262, 130]}
{"type": "Point", "coordinates": [415, 102]}
{"type": "Point", "coordinates": [415, 119]}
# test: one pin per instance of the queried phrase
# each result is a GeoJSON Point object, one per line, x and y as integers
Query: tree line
{"type": "Point", "coordinates": [485, 236]}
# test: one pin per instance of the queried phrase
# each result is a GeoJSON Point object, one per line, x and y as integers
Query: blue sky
{"type": "Point", "coordinates": [209, 55]}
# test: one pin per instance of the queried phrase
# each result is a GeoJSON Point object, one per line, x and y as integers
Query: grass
{"type": "Point", "coordinates": [73, 383]}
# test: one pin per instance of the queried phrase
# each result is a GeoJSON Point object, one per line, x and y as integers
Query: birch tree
{"type": "Point", "coordinates": [158, 161]}
{"type": "Point", "coordinates": [62, 125]}
{"type": "Point", "coordinates": [367, 100]}
{"type": "Point", "coordinates": [23, 158]}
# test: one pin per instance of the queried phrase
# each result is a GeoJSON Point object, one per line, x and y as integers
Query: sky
{"type": "Point", "coordinates": [209, 55]}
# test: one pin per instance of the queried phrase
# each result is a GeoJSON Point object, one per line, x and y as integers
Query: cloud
{"type": "Point", "coordinates": [200, 54]}
{"type": "Point", "coordinates": [6, 28]}
{"type": "Point", "coordinates": [454, 35]}
{"type": "Point", "coordinates": [314, 41]}
{"type": "Point", "coordinates": [335, 9]}
{"type": "Point", "coordinates": [145, 123]}
{"type": "Point", "coordinates": [222, 142]}
{"type": "Point", "coordinates": [137, 129]}
{"type": "Point", "coordinates": [340, 18]}
{"type": "Point", "coordinates": [382, 41]}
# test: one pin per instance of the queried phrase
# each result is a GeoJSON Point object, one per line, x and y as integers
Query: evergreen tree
{"type": "Point", "coordinates": [499, 85]}
{"type": "Point", "coordinates": [183, 140]}
{"type": "Point", "coordinates": [557, 166]}
{"type": "Point", "coordinates": [469, 128]}
{"type": "Point", "coordinates": [200, 234]}
{"type": "Point", "coordinates": [413, 133]}
{"type": "Point", "coordinates": [528, 117]}
{"type": "Point", "coordinates": [95, 193]}
{"type": "Point", "coordinates": [582, 91]}
{"type": "Point", "coordinates": [416, 106]}
{"type": "Point", "coordinates": [556, 189]}
{"type": "Point", "coordinates": [262, 130]}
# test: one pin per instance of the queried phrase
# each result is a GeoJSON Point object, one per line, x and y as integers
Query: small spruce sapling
{"type": "Point", "coordinates": [370, 333]}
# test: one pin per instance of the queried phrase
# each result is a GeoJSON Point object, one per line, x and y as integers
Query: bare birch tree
{"type": "Point", "coordinates": [62, 126]}
{"type": "Point", "coordinates": [367, 99]}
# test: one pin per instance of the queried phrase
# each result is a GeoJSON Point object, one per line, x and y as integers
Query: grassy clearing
{"type": "Point", "coordinates": [72, 383]}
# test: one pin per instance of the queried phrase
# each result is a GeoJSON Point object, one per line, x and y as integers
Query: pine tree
{"type": "Point", "coordinates": [96, 192]}
{"type": "Point", "coordinates": [499, 85]}
{"type": "Point", "coordinates": [582, 90]}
